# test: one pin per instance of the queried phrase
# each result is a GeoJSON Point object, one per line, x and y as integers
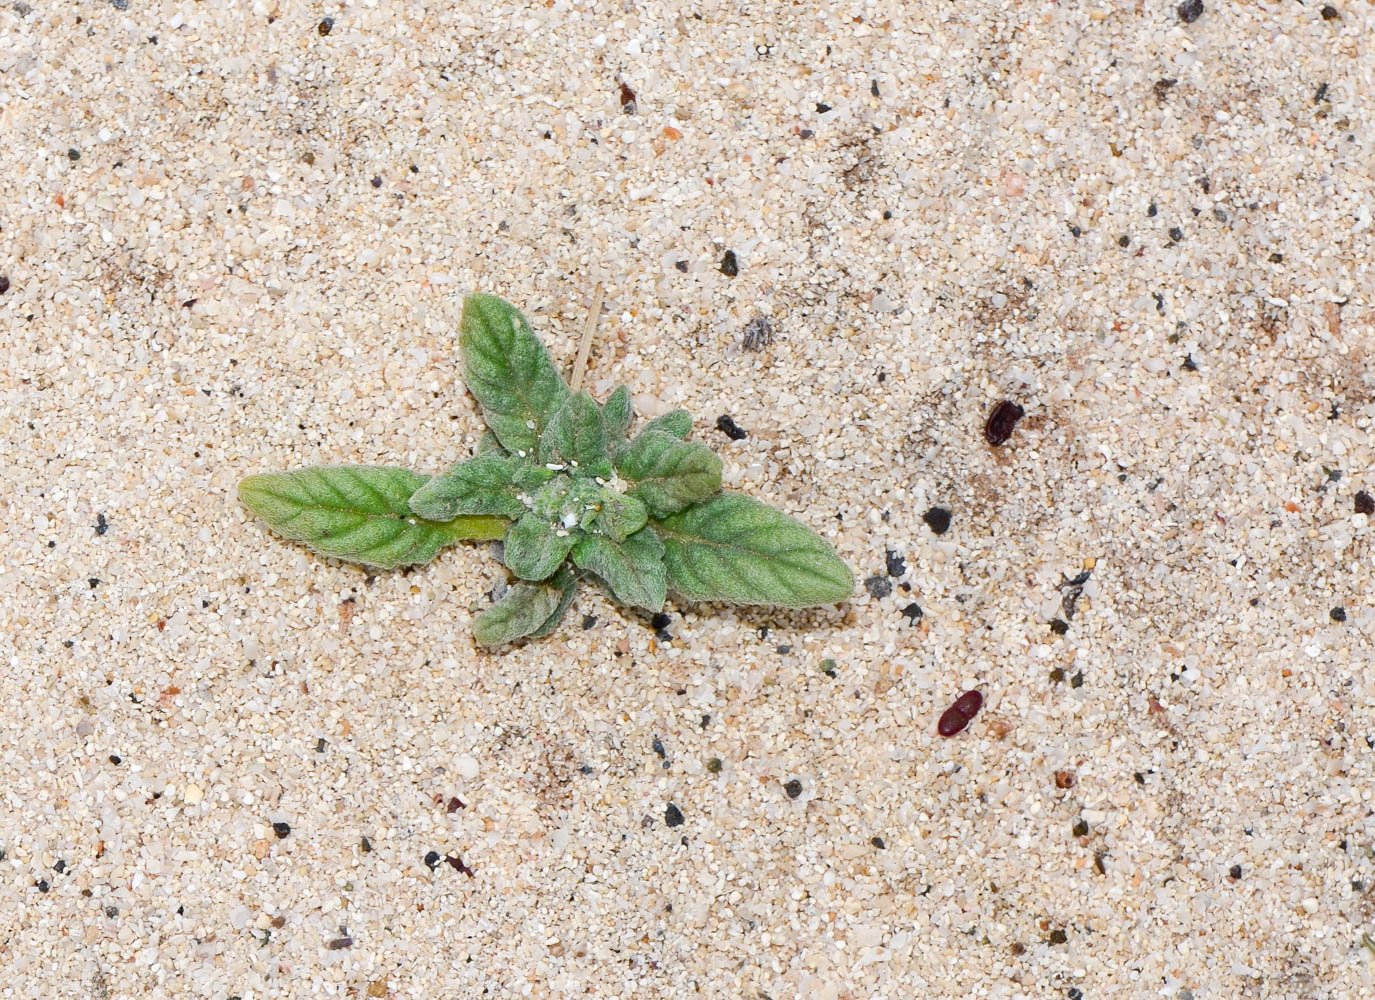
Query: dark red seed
{"type": "Point", "coordinates": [959, 715]}
{"type": "Point", "coordinates": [1001, 422]}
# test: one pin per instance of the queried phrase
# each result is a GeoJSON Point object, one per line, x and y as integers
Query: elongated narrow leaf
{"type": "Point", "coordinates": [565, 581]}
{"type": "Point", "coordinates": [733, 548]}
{"type": "Point", "coordinates": [529, 478]}
{"type": "Point", "coordinates": [616, 414]}
{"type": "Point", "coordinates": [509, 372]}
{"type": "Point", "coordinates": [634, 569]}
{"type": "Point", "coordinates": [675, 422]}
{"type": "Point", "coordinates": [535, 548]}
{"type": "Point", "coordinates": [524, 611]}
{"type": "Point", "coordinates": [669, 474]}
{"type": "Point", "coordinates": [356, 512]}
{"type": "Point", "coordinates": [481, 485]}
{"type": "Point", "coordinates": [576, 438]}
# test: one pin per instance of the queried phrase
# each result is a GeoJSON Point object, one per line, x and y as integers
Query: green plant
{"type": "Point", "coordinates": [569, 491]}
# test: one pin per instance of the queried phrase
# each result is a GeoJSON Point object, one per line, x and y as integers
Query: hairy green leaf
{"type": "Point", "coordinates": [527, 609]}
{"type": "Point", "coordinates": [678, 423]}
{"type": "Point", "coordinates": [566, 581]}
{"type": "Point", "coordinates": [616, 414]}
{"type": "Point", "coordinates": [576, 438]}
{"type": "Point", "coordinates": [357, 512]}
{"type": "Point", "coordinates": [529, 478]}
{"type": "Point", "coordinates": [489, 443]}
{"type": "Point", "coordinates": [509, 372]}
{"type": "Point", "coordinates": [481, 485]}
{"type": "Point", "coordinates": [733, 548]}
{"type": "Point", "coordinates": [535, 548]}
{"type": "Point", "coordinates": [669, 474]}
{"type": "Point", "coordinates": [619, 516]}
{"type": "Point", "coordinates": [633, 569]}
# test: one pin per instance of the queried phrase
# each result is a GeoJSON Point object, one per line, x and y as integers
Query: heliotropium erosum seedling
{"type": "Point", "coordinates": [560, 481]}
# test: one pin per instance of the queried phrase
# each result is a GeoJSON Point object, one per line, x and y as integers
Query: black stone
{"type": "Point", "coordinates": [878, 586]}
{"type": "Point", "coordinates": [912, 613]}
{"type": "Point", "coordinates": [937, 519]}
{"type": "Point", "coordinates": [1190, 11]}
{"type": "Point", "coordinates": [673, 816]}
{"type": "Point", "coordinates": [730, 428]}
{"type": "Point", "coordinates": [282, 830]}
{"type": "Point", "coordinates": [730, 266]}
{"type": "Point", "coordinates": [897, 566]}
{"type": "Point", "coordinates": [793, 788]}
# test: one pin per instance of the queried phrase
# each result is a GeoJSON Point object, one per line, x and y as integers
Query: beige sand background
{"type": "Point", "coordinates": [236, 239]}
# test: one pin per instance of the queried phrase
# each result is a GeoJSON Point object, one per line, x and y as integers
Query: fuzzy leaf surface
{"type": "Point", "coordinates": [528, 609]}
{"type": "Point", "coordinates": [735, 549]}
{"type": "Point", "coordinates": [360, 513]}
{"type": "Point", "coordinates": [576, 438]}
{"type": "Point", "coordinates": [534, 548]}
{"type": "Point", "coordinates": [481, 485]}
{"type": "Point", "coordinates": [616, 414]}
{"type": "Point", "coordinates": [509, 372]}
{"type": "Point", "coordinates": [669, 474]}
{"type": "Point", "coordinates": [633, 569]}
{"type": "Point", "coordinates": [620, 516]}
{"type": "Point", "coordinates": [566, 582]}
{"type": "Point", "coordinates": [677, 423]}
{"type": "Point", "coordinates": [488, 443]}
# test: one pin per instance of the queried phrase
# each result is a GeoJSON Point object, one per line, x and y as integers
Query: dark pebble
{"type": "Point", "coordinates": [758, 333]}
{"type": "Point", "coordinates": [60, 867]}
{"type": "Point", "coordinates": [714, 765]}
{"type": "Point", "coordinates": [1124, 241]}
{"type": "Point", "coordinates": [681, 265]}
{"type": "Point", "coordinates": [588, 621]}
{"type": "Point", "coordinates": [937, 519]}
{"type": "Point", "coordinates": [1058, 937]}
{"type": "Point", "coordinates": [1330, 13]}
{"type": "Point", "coordinates": [101, 525]}
{"type": "Point", "coordinates": [783, 650]}
{"type": "Point", "coordinates": [42, 885]}
{"type": "Point", "coordinates": [1077, 681]}
{"type": "Point", "coordinates": [793, 788]}
{"type": "Point", "coordinates": [1176, 234]}
{"type": "Point", "coordinates": [282, 830]}
{"type": "Point", "coordinates": [896, 565]}
{"type": "Point", "coordinates": [658, 747]}
{"type": "Point", "coordinates": [960, 714]}
{"type": "Point", "coordinates": [821, 109]}
{"type": "Point", "coordinates": [1277, 258]}
{"type": "Point", "coordinates": [806, 133]}
{"type": "Point", "coordinates": [912, 613]}
{"type": "Point", "coordinates": [1002, 421]}
{"type": "Point", "coordinates": [73, 155]}
{"type": "Point", "coordinates": [325, 26]}
{"type": "Point", "coordinates": [365, 845]}
{"type": "Point", "coordinates": [1081, 828]}
{"type": "Point", "coordinates": [1235, 873]}
{"type": "Point", "coordinates": [1338, 614]}
{"type": "Point", "coordinates": [376, 182]}
{"type": "Point", "coordinates": [116, 759]}
{"type": "Point", "coordinates": [1190, 11]}
{"type": "Point", "coordinates": [1059, 626]}
{"type": "Point", "coordinates": [627, 99]}
{"type": "Point", "coordinates": [730, 428]}
{"type": "Point", "coordinates": [4, 284]}
{"type": "Point", "coordinates": [660, 620]}
{"type": "Point", "coordinates": [730, 267]}
{"type": "Point", "coordinates": [432, 860]}
{"type": "Point", "coordinates": [873, 88]}
{"type": "Point", "coordinates": [112, 911]}
{"type": "Point", "coordinates": [1365, 503]}
{"type": "Point", "coordinates": [1075, 994]}
{"type": "Point", "coordinates": [878, 586]}
{"type": "Point", "coordinates": [673, 816]}
{"type": "Point", "coordinates": [878, 842]}
{"type": "Point", "coordinates": [339, 944]}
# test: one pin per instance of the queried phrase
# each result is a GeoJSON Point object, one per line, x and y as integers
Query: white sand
{"type": "Point", "coordinates": [211, 285]}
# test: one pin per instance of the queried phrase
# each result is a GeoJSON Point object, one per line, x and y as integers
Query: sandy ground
{"type": "Point", "coordinates": [235, 237]}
